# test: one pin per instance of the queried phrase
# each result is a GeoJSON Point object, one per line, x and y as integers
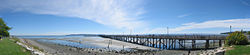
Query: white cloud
{"type": "Point", "coordinates": [114, 13]}
{"type": "Point", "coordinates": [244, 2]}
{"type": "Point", "coordinates": [184, 15]}
{"type": "Point", "coordinates": [235, 23]}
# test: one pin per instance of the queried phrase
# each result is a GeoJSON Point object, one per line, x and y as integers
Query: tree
{"type": "Point", "coordinates": [236, 38]}
{"type": "Point", "coordinates": [4, 29]}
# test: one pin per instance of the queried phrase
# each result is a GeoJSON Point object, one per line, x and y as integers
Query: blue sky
{"type": "Point", "coordinates": [53, 17]}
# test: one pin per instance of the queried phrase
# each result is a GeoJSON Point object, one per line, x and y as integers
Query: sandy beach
{"type": "Point", "coordinates": [57, 49]}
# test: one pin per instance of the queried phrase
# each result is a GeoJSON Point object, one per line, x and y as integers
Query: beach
{"type": "Point", "coordinates": [134, 49]}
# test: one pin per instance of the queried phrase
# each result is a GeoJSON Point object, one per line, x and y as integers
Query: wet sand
{"type": "Point", "coordinates": [114, 43]}
{"type": "Point", "coordinates": [56, 49]}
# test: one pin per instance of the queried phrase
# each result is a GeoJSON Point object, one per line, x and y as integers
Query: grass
{"type": "Point", "coordinates": [9, 47]}
{"type": "Point", "coordinates": [238, 50]}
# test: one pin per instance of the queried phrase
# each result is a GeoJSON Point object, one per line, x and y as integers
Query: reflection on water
{"type": "Point", "coordinates": [69, 43]}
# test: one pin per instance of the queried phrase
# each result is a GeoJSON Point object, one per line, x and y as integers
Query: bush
{"type": "Point", "coordinates": [236, 38]}
{"type": "Point", "coordinates": [248, 32]}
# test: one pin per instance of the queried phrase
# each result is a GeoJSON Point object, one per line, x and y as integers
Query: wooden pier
{"type": "Point", "coordinates": [173, 42]}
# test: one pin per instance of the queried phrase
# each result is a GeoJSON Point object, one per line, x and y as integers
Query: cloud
{"type": "Point", "coordinates": [184, 15]}
{"type": "Point", "coordinates": [113, 13]}
{"type": "Point", "coordinates": [235, 23]}
{"type": "Point", "coordinates": [244, 2]}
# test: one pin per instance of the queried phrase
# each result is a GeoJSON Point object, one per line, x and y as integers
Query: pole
{"type": "Point", "coordinates": [230, 29]}
{"type": "Point", "coordinates": [130, 31]}
{"type": "Point", "coordinates": [167, 30]}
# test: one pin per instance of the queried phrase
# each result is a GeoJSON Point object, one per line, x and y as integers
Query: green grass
{"type": "Point", "coordinates": [239, 50]}
{"type": "Point", "coordinates": [9, 47]}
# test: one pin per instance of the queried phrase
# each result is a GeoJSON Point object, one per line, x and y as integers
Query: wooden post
{"type": "Point", "coordinates": [160, 43]}
{"type": "Point", "coordinates": [193, 44]}
{"type": "Point", "coordinates": [127, 39]}
{"type": "Point", "coordinates": [220, 44]}
{"type": "Point", "coordinates": [133, 39]}
{"type": "Point", "coordinates": [169, 43]}
{"type": "Point", "coordinates": [184, 41]}
{"type": "Point", "coordinates": [140, 41]}
{"type": "Point", "coordinates": [157, 41]}
{"type": "Point", "coordinates": [213, 43]}
{"type": "Point", "coordinates": [164, 43]}
{"type": "Point", "coordinates": [166, 46]}
{"type": "Point", "coordinates": [153, 42]}
{"type": "Point", "coordinates": [172, 42]}
{"type": "Point", "coordinates": [150, 42]}
{"type": "Point", "coordinates": [179, 43]}
{"type": "Point", "coordinates": [137, 40]}
{"type": "Point", "coordinates": [207, 44]}
{"type": "Point", "coordinates": [122, 38]}
{"type": "Point", "coordinates": [147, 42]}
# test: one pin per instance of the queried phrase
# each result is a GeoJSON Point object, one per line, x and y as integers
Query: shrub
{"type": "Point", "coordinates": [236, 38]}
{"type": "Point", "coordinates": [248, 32]}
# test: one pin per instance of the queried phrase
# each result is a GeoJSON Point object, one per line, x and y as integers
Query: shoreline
{"type": "Point", "coordinates": [56, 49]}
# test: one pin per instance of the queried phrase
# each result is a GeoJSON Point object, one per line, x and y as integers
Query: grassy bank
{"type": "Point", "coordinates": [238, 50]}
{"type": "Point", "coordinates": [9, 47]}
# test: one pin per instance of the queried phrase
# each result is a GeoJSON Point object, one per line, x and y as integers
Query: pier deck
{"type": "Point", "coordinates": [173, 41]}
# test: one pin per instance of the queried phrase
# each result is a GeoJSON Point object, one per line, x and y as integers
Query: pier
{"type": "Point", "coordinates": [173, 42]}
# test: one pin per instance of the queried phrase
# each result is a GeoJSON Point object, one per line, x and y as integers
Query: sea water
{"type": "Point", "coordinates": [66, 41]}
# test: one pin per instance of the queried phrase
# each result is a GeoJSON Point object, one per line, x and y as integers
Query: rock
{"type": "Point", "coordinates": [116, 51]}
{"type": "Point", "coordinates": [73, 49]}
{"type": "Point", "coordinates": [231, 46]}
{"type": "Point", "coordinates": [220, 53]}
{"type": "Point", "coordinates": [100, 50]}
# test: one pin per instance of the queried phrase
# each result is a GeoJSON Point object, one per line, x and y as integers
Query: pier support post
{"type": "Point", "coordinates": [193, 44]}
{"type": "Point", "coordinates": [169, 43]}
{"type": "Point", "coordinates": [174, 43]}
{"type": "Point", "coordinates": [157, 42]}
{"type": "Point", "coordinates": [147, 42]}
{"type": "Point", "coordinates": [160, 43]}
{"type": "Point", "coordinates": [220, 44]}
{"type": "Point", "coordinates": [137, 40]}
{"type": "Point", "coordinates": [207, 44]}
{"type": "Point", "coordinates": [153, 42]}
{"type": "Point", "coordinates": [184, 41]}
{"type": "Point", "coordinates": [166, 43]}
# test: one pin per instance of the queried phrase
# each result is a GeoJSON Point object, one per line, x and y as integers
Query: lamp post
{"type": "Point", "coordinates": [230, 29]}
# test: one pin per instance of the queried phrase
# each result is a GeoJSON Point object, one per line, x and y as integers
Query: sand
{"type": "Point", "coordinates": [55, 49]}
{"type": "Point", "coordinates": [116, 43]}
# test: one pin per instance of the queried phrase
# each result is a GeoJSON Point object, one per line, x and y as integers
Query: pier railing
{"type": "Point", "coordinates": [186, 37]}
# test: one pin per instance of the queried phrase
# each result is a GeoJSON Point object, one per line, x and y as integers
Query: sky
{"type": "Point", "coordinates": [58, 17]}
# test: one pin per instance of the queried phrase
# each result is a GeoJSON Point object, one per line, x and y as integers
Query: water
{"type": "Point", "coordinates": [71, 41]}
{"type": "Point", "coordinates": [72, 44]}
